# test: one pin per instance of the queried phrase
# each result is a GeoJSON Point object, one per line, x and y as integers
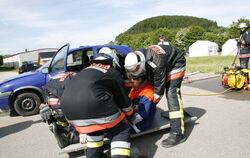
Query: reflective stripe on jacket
{"type": "Point", "coordinates": [93, 100]}
{"type": "Point", "coordinates": [92, 125]}
{"type": "Point", "coordinates": [162, 60]}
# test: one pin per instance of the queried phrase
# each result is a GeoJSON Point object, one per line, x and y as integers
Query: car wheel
{"type": "Point", "coordinates": [27, 104]}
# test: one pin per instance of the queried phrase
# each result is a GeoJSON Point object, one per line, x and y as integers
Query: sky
{"type": "Point", "coordinates": [35, 24]}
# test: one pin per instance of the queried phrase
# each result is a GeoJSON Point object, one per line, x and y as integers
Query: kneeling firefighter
{"type": "Point", "coordinates": [51, 112]}
{"type": "Point", "coordinates": [96, 105]}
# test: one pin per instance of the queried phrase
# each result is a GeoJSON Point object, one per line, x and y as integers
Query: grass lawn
{"type": "Point", "coordinates": [212, 64]}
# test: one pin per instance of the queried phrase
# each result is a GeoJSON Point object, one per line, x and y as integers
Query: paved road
{"type": "Point", "coordinates": [222, 130]}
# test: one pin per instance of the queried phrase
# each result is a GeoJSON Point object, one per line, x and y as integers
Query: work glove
{"type": "Point", "coordinates": [157, 98]}
{"type": "Point", "coordinates": [135, 118]}
{"type": "Point", "coordinates": [238, 42]}
{"type": "Point", "coordinates": [83, 138]}
{"type": "Point", "coordinates": [136, 107]}
{"type": "Point", "coordinates": [45, 112]}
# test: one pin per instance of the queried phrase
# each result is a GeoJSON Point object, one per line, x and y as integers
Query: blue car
{"type": "Point", "coordinates": [23, 94]}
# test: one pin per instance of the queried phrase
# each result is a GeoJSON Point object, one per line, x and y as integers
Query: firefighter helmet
{"type": "Point", "coordinates": [243, 25]}
{"type": "Point", "coordinates": [135, 64]}
{"type": "Point", "coordinates": [162, 37]}
{"type": "Point", "coordinates": [106, 53]}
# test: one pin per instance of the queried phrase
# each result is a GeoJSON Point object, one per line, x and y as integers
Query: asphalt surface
{"type": "Point", "coordinates": [222, 130]}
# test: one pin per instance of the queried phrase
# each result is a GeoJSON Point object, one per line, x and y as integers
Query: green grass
{"type": "Point", "coordinates": [212, 64]}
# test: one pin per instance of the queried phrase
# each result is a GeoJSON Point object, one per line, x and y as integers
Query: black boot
{"type": "Point", "coordinates": [173, 140]}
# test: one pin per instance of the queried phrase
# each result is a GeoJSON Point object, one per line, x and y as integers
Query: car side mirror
{"type": "Point", "coordinates": [45, 70]}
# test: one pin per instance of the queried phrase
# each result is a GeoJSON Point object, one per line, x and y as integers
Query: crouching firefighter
{"type": "Point", "coordinates": [96, 105]}
{"type": "Point", "coordinates": [51, 112]}
{"type": "Point", "coordinates": [165, 68]}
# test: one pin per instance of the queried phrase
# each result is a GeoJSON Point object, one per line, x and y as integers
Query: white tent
{"type": "Point", "coordinates": [229, 47]}
{"type": "Point", "coordinates": [203, 48]}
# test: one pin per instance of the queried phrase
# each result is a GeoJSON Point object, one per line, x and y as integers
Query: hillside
{"type": "Point", "coordinates": [180, 31]}
{"type": "Point", "coordinates": [169, 22]}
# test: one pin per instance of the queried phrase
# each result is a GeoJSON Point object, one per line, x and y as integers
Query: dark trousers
{"type": "Point", "coordinates": [175, 106]}
{"type": "Point", "coordinates": [120, 142]}
{"type": "Point", "coordinates": [244, 63]}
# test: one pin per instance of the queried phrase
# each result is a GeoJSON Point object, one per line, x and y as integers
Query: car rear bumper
{"type": "Point", "coordinates": [4, 100]}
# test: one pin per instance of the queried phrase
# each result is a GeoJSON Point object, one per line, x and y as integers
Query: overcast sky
{"type": "Point", "coordinates": [35, 24]}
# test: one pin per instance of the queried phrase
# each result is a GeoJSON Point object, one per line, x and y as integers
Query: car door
{"type": "Point", "coordinates": [58, 62]}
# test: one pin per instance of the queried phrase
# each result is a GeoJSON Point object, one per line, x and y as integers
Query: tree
{"type": "Point", "coordinates": [180, 31]}
{"type": "Point", "coordinates": [233, 30]}
{"type": "Point", "coordinates": [169, 22]}
{"type": "Point", "coordinates": [194, 33]}
{"type": "Point", "coordinates": [180, 38]}
{"type": "Point", "coordinates": [1, 60]}
{"type": "Point", "coordinates": [187, 36]}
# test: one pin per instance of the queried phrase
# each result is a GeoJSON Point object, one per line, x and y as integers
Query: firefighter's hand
{"type": "Point", "coordinates": [135, 118]}
{"type": "Point", "coordinates": [157, 98]}
{"type": "Point", "coordinates": [136, 107]}
{"type": "Point", "coordinates": [83, 138]}
{"type": "Point", "coordinates": [238, 42]}
{"type": "Point", "coordinates": [45, 113]}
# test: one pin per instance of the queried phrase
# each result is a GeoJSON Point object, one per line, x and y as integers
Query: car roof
{"type": "Point", "coordinates": [120, 48]}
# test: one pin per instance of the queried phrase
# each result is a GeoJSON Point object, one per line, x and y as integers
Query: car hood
{"type": "Point", "coordinates": [20, 76]}
{"type": "Point", "coordinates": [23, 80]}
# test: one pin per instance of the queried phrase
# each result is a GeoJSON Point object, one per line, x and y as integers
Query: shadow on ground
{"type": "Point", "coordinates": [147, 144]}
{"type": "Point", "coordinates": [15, 128]}
{"type": "Point", "coordinates": [193, 111]}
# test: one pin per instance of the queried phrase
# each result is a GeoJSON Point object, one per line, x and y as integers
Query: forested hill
{"type": "Point", "coordinates": [170, 22]}
{"type": "Point", "coordinates": [180, 31]}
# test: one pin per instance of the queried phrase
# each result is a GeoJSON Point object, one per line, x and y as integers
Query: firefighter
{"type": "Point", "coordinates": [244, 45]}
{"type": "Point", "coordinates": [141, 96]}
{"type": "Point", "coordinates": [51, 112]}
{"type": "Point", "coordinates": [164, 66]}
{"type": "Point", "coordinates": [162, 39]}
{"type": "Point", "coordinates": [96, 105]}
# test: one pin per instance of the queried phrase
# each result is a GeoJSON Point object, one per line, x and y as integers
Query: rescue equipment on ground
{"type": "Point", "coordinates": [236, 78]}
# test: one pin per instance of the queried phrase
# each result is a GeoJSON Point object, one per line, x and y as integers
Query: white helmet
{"type": "Point", "coordinates": [242, 25]}
{"type": "Point", "coordinates": [135, 64]}
{"type": "Point", "coordinates": [106, 53]}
